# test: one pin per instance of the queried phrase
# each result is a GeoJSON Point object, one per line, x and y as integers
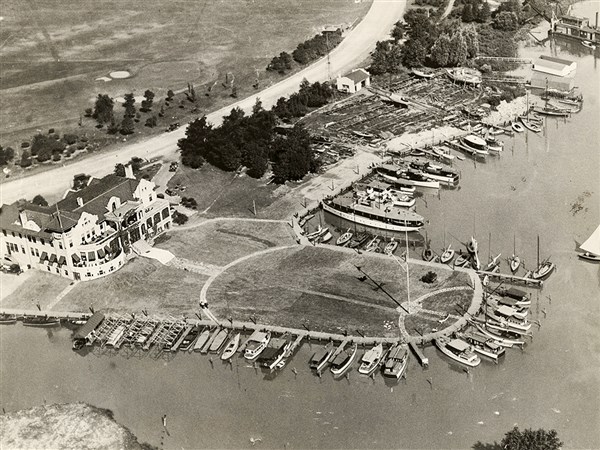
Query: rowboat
{"type": "Point", "coordinates": [427, 254]}
{"type": "Point", "coordinates": [516, 126]}
{"type": "Point", "coordinates": [371, 360]}
{"type": "Point", "coordinates": [320, 231]}
{"type": "Point", "coordinates": [494, 145]}
{"type": "Point", "coordinates": [461, 261]}
{"type": "Point", "coordinates": [472, 245]}
{"type": "Point", "coordinates": [373, 245]}
{"type": "Point", "coordinates": [458, 350]}
{"type": "Point", "coordinates": [202, 339]}
{"type": "Point", "coordinates": [495, 262]}
{"type": "Point", "coordinates": [189, 339]}
{"type": "Point", "coordinates": [219, 340]}
{"type": "Point", "coordinates": [527, 123]}
{"type": "Point", "coordinates": [344, 238]}
{"type": "Point", "coordinates": [358, 240]}
{"type": "Point", "coordinates": [344, 360]}
{"type": "Point", "coordinates": [321, 357]}
{"type": "Point", "coordinates": [326, 237]}
{"type": "Point", "coordinates": [231, 347]}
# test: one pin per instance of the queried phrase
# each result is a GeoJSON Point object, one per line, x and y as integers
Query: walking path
{"type": "Point", "coordinates": [60, 296]}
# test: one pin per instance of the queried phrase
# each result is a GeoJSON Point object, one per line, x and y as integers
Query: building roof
{"type": "Point", "coordinates": [564, 62]}
{"type": "Point", "coordinates": [97, 194]}
{"type": "Point", "coordinates": [358, 75]}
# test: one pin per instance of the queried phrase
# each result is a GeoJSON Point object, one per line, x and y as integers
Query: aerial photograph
{"type": "Point", "coordinates": [311, 224]}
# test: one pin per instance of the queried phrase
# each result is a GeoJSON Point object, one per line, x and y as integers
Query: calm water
{"type": "Point", "coordinates": [554, 383]}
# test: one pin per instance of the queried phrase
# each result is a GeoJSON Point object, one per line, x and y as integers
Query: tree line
{"type": "Point", "coordinates": [252, 141]}
{"type": "Point", "coordinates": [307, 51]}
{"type": "Point", "coordinates": [104, 113]}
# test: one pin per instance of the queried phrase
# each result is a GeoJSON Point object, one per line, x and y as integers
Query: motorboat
{"type": "Point", "coordinates": [396, 361]}
{"type": "Point", "coordinates": [443, 174]}
{"type": "Point", "coordinates": [516, 126]}
{"type": "Point", "coordinates": [549, 110]}
{"type": "Point", "coordinates": [8, 319]}
{"type": "Point", "coordinates": [406, 177]}
{"type": "Point", "coordinates": [484, 345]}
{"type": "Point", "coordinates": [358, 240]}
{"type": "Point", "coordinates": [326, 237]}
{"type": "Point", "coordinates": [342, 362]}
{"type": "Point", "coordinates": [502, 340]}
{"type": "Point", "coordinates": [494, 145]}
{"type": "Point", "coordinates": [320, 231]}
{"type": "Point", "coordinates": [591, 247]}
{"type": "Point", "coordinates": [321, 357]}
{"type": "Point", "coordinates": [202, 339]}
{"type": "Point", "coordinates": [447, 255]}
{"type": "Point", "coordinates": [495, 262]}
{"type": "Point", "coordinates": [587, 44]}
{"type": "Point", "coordinates": [403, 200]}
{"type": "Point", "coordinates": [371, 359]}
{"type": "Point", "coordinates": [231, 347]}
{"type": "Point", "coordinates": [42, 322]}
{"type": "Point", "coordinates": [256, 345]}
{"type": "Point", "coordinates": [391, 247]}
{"type": "Point", "coordinates": [521, 297]}
{"type": "Point", "coordinates": [443, 153]}
{"type": "Point", "coordinates": [189, 339]}
{"type": "Point", "coordinates": [530, 125]}
{"type": "Point", "coordinates": [275, 353]}
{"type": "Point", "coordinates": [344, 238]}
{"type": "Point", "coordinates": [508, 317]}
{"type": "Point", "coordinates": [465, 75]}
{"type": "Point", "coordinates": [474, 145]}
{"type": "Point", "coordinates": [458, 350]}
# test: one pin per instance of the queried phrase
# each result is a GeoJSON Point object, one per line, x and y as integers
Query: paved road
{"type": "Point", "coordinates": [375, 26]}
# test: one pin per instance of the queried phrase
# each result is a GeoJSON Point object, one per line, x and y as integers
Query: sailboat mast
{"type": "Point", "coordinates": [538, 250]}
{"type": "Point", "coordinates": [407, 275]}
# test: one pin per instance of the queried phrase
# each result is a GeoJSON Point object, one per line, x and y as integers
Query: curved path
{"type": "Point", "coordinates": [354, 49]}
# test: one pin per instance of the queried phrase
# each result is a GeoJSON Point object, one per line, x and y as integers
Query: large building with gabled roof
{"type": "Point", "coordinates": [88, 233]}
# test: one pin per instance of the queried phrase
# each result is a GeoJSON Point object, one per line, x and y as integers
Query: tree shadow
{"type": "Point", "coordinates": [482, 446]}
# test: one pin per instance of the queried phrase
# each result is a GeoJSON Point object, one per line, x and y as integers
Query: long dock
{"type": "Point", "coordinates": [423, 360]}
{"type": "Point", "coordinates": [512, 278]}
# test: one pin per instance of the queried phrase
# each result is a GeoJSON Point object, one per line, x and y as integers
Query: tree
{"type": "Point", "coordinates": [506, 21]}
{"type": "Point", "coordinates": [151, 122]}
{"type": "Point", "coordinates": [398, 31]}
{"type": "Point", "coordinates": [170, 95]}
{"type": "Point", "coordinates": [25, 159]}
{"type": "Point", "coordinates": [471, 40]}
{"type": "Point", "coordinates": [294, 157]}
{"type": "Point", "coordinates": [280, 63]}
{"type": "Point", "coordinates": [127, 125]}
{"type": "Point", "coordinates": [81, 180]}
{"type": "Point", "coordinates": [413, 53]}
{"type": "Point", "coordinates": [528, 439]}
{"type": "Point", "coordinates": [147, 102]}
{"type": "Point", "coordinates": [6, 155]}
{"type": "Point", "coordinates": [196, 144]}
{"type": "Point", "coordinates": [39, 200]}
{"type": "Point", "coordinates": [179, 218]}
{"type": "Point", "coordinates": [46, 145]}
{"type": "Point", "coordinates": [103, 109]}
{"type": "Point", "coordinates": [128, 104]}
{"type": "Point", "coordinates": [484, 13]}
{"type": "Point", "coordinates": [113, 127]}
{"type": "Point", "coordinates": [386, 58]}
{"type": "Point", "coordinates": [440, 52]}
{"type": "Point", "coordinates": [120, 170]}
{"type": "Point", "coordinates": [467, 13]}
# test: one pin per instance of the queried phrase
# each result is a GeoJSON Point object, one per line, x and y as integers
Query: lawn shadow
{"type": "Point", "coordinates": [482, 446]}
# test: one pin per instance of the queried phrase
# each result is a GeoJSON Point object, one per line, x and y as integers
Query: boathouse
{"type": "Point", "coordinates": [576, 27]}
{"type": "Point", "coordinates": [354, 81]}
{"type": "Point", "coordinates": [553, 73]}
{"type": "Point", "coordinates": [87, 234]}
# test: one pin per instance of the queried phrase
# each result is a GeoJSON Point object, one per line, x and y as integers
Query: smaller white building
{"type": "Point", "coordinates": [354, 81]}
{"type": "Point", "coordinates": [555, 66]}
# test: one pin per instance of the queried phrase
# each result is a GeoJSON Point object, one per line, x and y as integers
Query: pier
{"type": "Point", "coordinates": [512, 278]}
{"type": "Point", "coordinates": [423, 360]}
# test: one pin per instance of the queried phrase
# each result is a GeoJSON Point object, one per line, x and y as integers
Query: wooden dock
{"type": "Point", "coordinates": [512, 278]}
{"type": "Point", "coordinates": [423, 360]}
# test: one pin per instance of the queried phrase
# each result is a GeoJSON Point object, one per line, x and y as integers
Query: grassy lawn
{"type": "Point", "coordinates": [424, 324]}
{"type": "Point", "coordinates": [222, 242]}
{"type": "Point", "coordinates": [40, 288]}
{"type": "Point", "coordinates": [142, 284]}
{"type": "Point", "coordinates": [223, 194]}
{"type": "Point", "coordinates": [52, 59]}
{"type": "Point", "coordinates": [287, 284]}
{"type": "Point", "coordinates": [453, 302]}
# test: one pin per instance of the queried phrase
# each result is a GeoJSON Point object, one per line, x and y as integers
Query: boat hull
{"type": "Point", "coordinates": [472, 362]}
{"type": "Point", "coordinates": [589, 257]}
{"type": "Point", "coordinates": [369, 222]}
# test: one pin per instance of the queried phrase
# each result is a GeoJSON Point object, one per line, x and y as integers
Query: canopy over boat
{"type": "Point", "coordinates": [89, 326]}
{"type": "Point", "coordinates": [458, 345]}
{"type": "Point", "coordinates": [592, 245]}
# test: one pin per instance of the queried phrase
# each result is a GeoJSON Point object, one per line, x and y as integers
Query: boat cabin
{"type": "Point", "coordinates": [458, 346]}
{"type": "Point", "coordinates": [475, 142]}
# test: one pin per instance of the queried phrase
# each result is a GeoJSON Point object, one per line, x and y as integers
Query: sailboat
{"type": "Point", "coordinates": [427, 254]}
{"type": "Point", "coordinates": [514, 261]}
{"type": "Point", "coordinates": [545, 268]}
{"type": "Point", "coordinates": [447, 252]}
{"type": "Point", "coordinates": [527, 122]}
{"type": "Point", "coordinates": [494, 262]}
{"type": "Point", "coordinates": [591, 247]}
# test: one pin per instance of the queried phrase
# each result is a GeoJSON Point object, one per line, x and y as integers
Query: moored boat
{"type": "Point", "coordinates": [321, 357]}
{"type": "Point", "coordinates": [447, 255]}
{"type": "Point", "coordinates": [494, 145]}
{"type": "Point", "coordinates": [543, 271]}
{"type": "Point", "coordinates": [458, 350]}
{"type": "Point", "coordinates": [190, 339]}
{"type": "Point", "coordinates": [325, 238]}
{"type": "Point", "coordinates": [465, 75]}
{"type": "Point", "coordinates": [373, 245]}
{"type": "Point", "coordinates": [202, 338]}
{"type": "Point", "coordinates": [474, 145]}
{"type": "Point", "coordinates": [371, 360]}
{"type": "Point", "coordinates": [342, 362]}
{"type": "Point", "coordinates": [587, 44]}
{"type": "Point", "coordinates": [320, 231]}
{"type": "Point", "coordinates": [391, 247]}
{"type": "Point", "coordinates": [591, 247]}
{"type": "Point", "coordinates": [344, 238]}
{"type": "Point", "coordinates": [41, 321]}
{"type": "Point", "coordinates": [514, 262]}
{"type": "Point", "coordinates": [8, 319]}
{"type": "Point", "coordinates": [359, 240]}
{"type": "Point", "coordinates": [444, 153]}
{"type": "Point", "coordinates": [396, 361]}
{"type": "Point", "coordinates": [409, 177]}
{"type": "Point", "coordinates": [275, 353]}
{"type": "Point", "coordinates": [427, 254]}
{"type": "Point", "coordinates": [255, 346]}
{"type": "Point", "coordinates": [461, 260]}
{"type": "Point", "coordinates": [502, 340]}
{"type": "Point", "coordinates": [495, 262]}
{"type": "Point", "coordinates": [231, 347]}
{"type": "Point", "coordinates": [507, 316]}
{"type": "Point", "coordinates": [530, 125]}
{"type": "Point", "coordinates": [484, 345]}
{"type": "Point", "coordinates": [516, 126]}
{"type": "Point", "coordinates": [472, 245]}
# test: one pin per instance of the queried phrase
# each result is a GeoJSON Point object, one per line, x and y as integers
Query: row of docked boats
{"type": "Point", "coordinates": [393, 361]}
{"type": "Point", "coordinates": [35, 321]}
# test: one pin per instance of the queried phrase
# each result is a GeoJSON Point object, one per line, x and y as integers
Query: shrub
{"type": "Point", "coordinates": [56, 157]}
{"type": "Point", "coordinates": [429, 277]}
{"type": "Point", "coordinates": [24, 144]}
{"type": "Point", "coordinates": [51, 131]}
{"type": "Point", "coordinates": [39, 200]}
{"type": "Point", "coordinates": [178, 218]}
{"type": "Point", "coordinates": [70, 139]}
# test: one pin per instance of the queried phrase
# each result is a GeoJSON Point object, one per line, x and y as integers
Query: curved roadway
{"type": "Point", "coordinates": [354, 49]}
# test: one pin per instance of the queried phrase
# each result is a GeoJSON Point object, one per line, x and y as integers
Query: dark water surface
{"type": "Point", "coordinates": [554, 383]}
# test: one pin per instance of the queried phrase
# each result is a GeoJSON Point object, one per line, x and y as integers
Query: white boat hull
{"type": "Point", "coordinates": [472, 362]}
{"type": "Point", "coordinates": [368, 222]}
{"type": "Point", "coordinates": [429, 184]}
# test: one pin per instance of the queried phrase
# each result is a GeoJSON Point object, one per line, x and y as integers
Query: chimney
{"type": "Point", "coordinates": [80, 201]}
{"type": "Point", "coordinates": [129, 171]}
{"type": "Point", "coordinates": [23, 217]}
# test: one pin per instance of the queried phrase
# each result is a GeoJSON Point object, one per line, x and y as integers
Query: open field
{"type": "Point", "coordinates": [75, 425]}
{"type": "Point", "coordinates": [37, 288]}
{"type": "Point", "coordinates": [51, 59]}
{"type": "Point", "coordinates": [221, 194]}
{"type": "Point", "coordinates": [221, 242]}
{"type": "Point", "coordinates": [142, 284]}
{"type": "Point", "coordinates": [321, 286]}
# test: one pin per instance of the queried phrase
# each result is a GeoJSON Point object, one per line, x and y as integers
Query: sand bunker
{"type": "Point", "coordinates": [120, 74]}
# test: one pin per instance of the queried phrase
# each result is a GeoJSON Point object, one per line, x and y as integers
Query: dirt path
{"type": "Point", "coordinates": [354, 49]}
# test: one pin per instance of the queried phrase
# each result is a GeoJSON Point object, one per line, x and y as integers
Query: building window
{"type": "Point", "coordinates": [66, 272]}
{"type": "Point", "coordinates": [60, 246]}
{"type": "Point", "coordinates": [37, 252]}
{"type": "Point", "coordinates": [32, 253]}
{"type": "Point", "coordinates": [42, 241]}
{"type": "Point", "coordinates": [23, 249]}
{"type": "Point", "coordinates": [165, 213]}
{"type": "Point", "coordinates": [4, 232]}
{"type": "Point", "coordinates": [20, 236]}
{"type": "Point", "coordinates": [34, 239]}
{"type": "Point", "coordinates": [13, 233]}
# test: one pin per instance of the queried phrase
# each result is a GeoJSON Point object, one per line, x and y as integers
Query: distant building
{"type": "Point", "coordinates": [88, 233]}
{"type": "Point", "coordinates": [354, 81]}
{"type": "Point", "coordinates": [555, 66]}
{"type": "Point", "coordinates": [576, 27]}
{"type": "Point", "coordinates": [541, 80]}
